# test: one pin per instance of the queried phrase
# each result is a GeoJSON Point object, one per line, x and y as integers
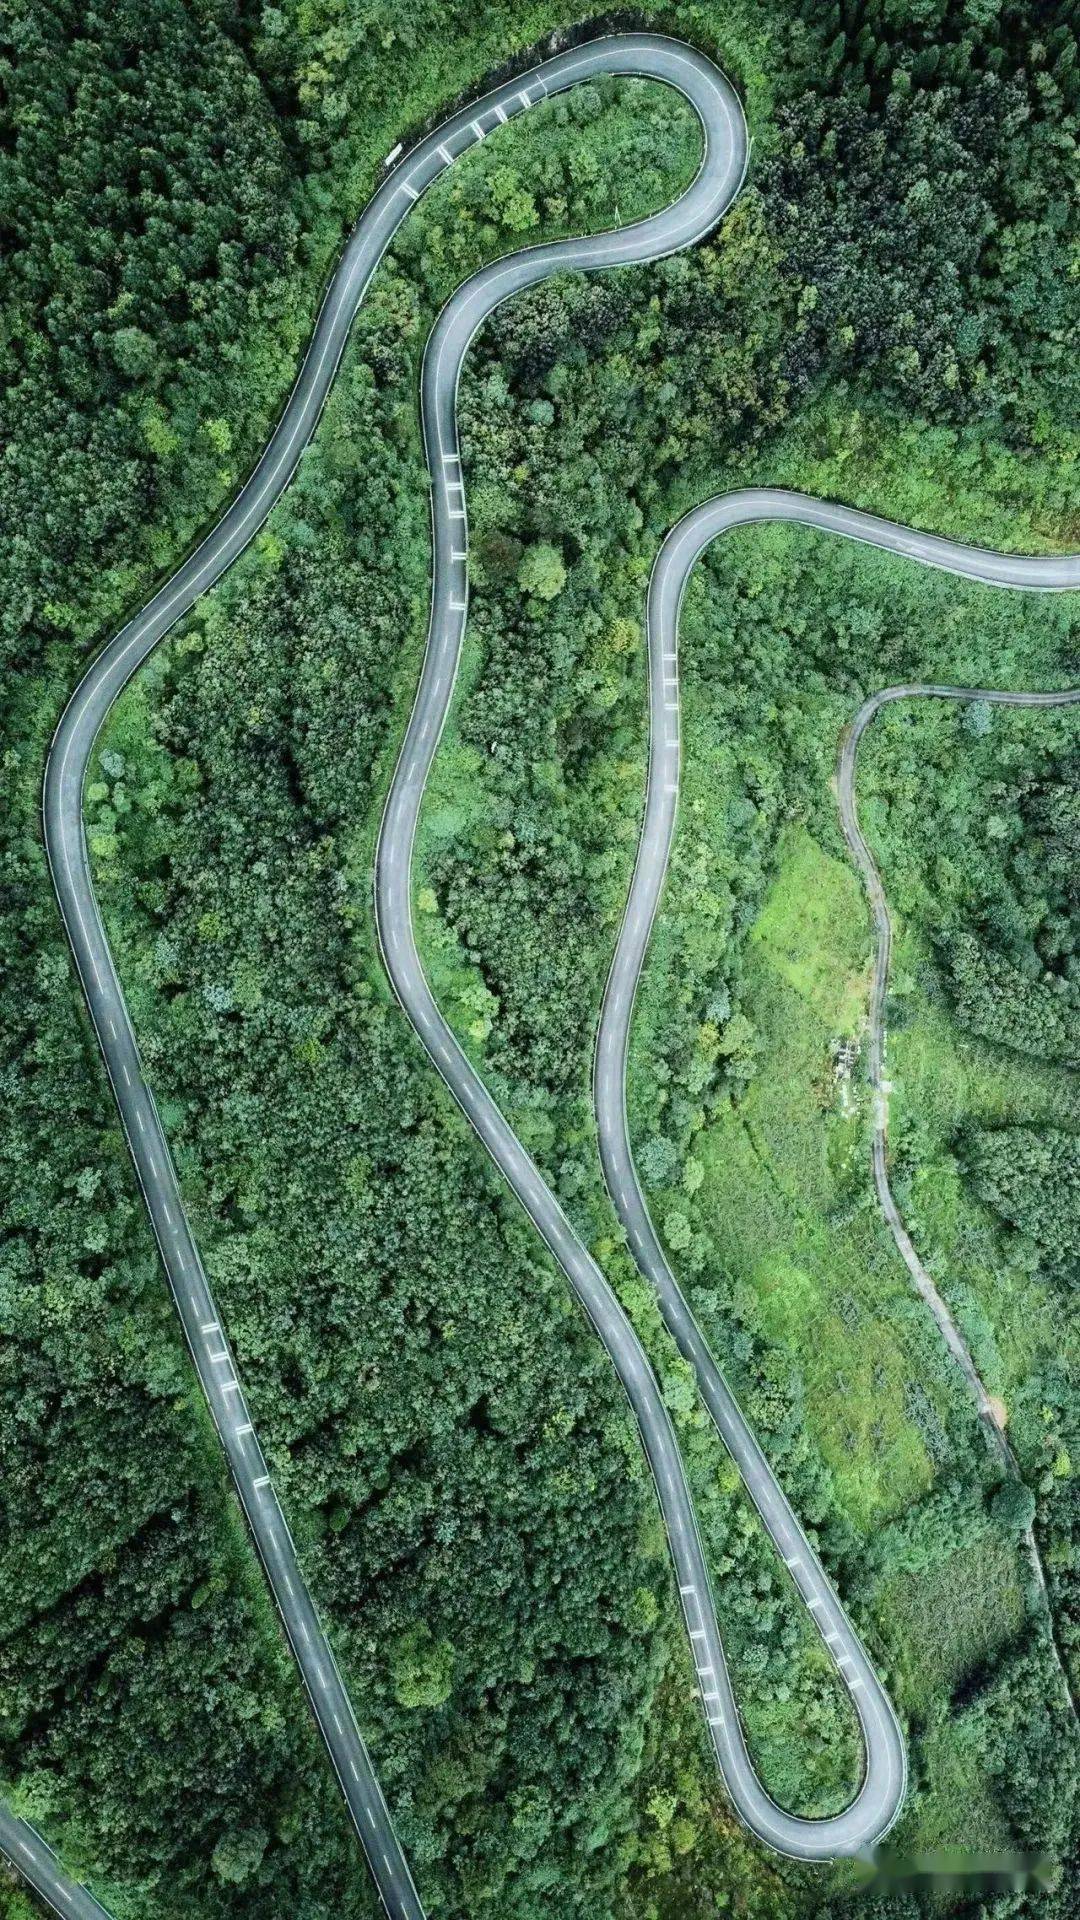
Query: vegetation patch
{"type": "Point", "coordinates": [887, 315]}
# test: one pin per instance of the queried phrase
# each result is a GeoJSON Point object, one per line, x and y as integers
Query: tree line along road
{"type": "Point", "coordinates": [686, 221]}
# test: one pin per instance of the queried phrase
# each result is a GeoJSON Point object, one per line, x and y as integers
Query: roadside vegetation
{"type": "Point", "coordinates": [795, 1274]}
{"type": "Point", "coordinates": [887, 315]}
{"type": "Point", "coordinates": [986, 1112]}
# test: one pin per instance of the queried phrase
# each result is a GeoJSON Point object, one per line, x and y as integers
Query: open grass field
{"type": "Point", "coordinates": [786, 1199]}
{"type": "Point", "coordinates": [786, 1174]}
{"type": "Point", "coordinates": [785, 1254]}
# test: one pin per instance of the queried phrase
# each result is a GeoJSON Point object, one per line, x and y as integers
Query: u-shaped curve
{"type": "Point", "coordinates": [677, 557]}
{"type": "Point", "coordinates": [686, 221]}
{"type": "Point", "coordinates": [643, 55]}
{"type": "Point", "coordinates": [881, 1792]}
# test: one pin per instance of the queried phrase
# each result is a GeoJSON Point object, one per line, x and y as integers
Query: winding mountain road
{"type": "Point", "coordinates": [677, 557]}
{"type": "Point", "coordinates": [687, 220]}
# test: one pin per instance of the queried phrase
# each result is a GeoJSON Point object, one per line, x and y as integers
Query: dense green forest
{"type": "Point", "coordinates": [989, 1100]}
{"type": "Point", "coordinates": [889, 315]}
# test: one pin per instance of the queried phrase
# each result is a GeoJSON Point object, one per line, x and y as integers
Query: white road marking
{"type": "Point", "coordinates": [411, 191]}
{"type": "Point", "coordinates": [478, 129]}
{"type": "Point", "coordinates": [342, 297]}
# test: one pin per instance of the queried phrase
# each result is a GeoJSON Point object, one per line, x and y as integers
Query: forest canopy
{"type": "Point", "coordinates": [890, 315]}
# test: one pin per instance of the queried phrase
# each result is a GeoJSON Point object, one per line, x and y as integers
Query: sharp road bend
{"type": "Point", "coordinates": [686, 221]}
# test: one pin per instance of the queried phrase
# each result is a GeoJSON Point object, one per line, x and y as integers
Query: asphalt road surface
{"type": "Point", "coordinates": [686, 221]}
{"type": "Point", "coordinates": [883, 1781]}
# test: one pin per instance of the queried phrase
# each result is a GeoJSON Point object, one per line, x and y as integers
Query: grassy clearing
{"type": "Point", "coordinates": [948, 1080]}
{"type": "Point", "coordinates": [948, 1621]}
{"type": "Point", "coordinates": [783, 1169]}
{"type": "Point", "coordinates": [802, 1262]}
{"type": "Point", "coordinates": [954, 1615]}
{"type": "Point", "coordinates": [808, 930]}
{"type": "Point", "coordinates": [787, 1201]}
